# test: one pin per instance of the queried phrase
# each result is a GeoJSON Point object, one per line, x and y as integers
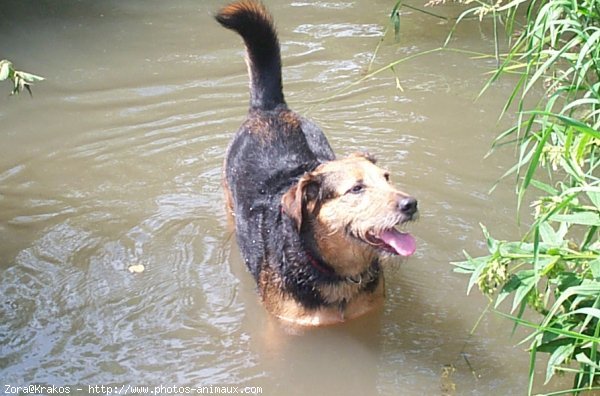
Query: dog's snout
{"type": "Point", "coordinates": [408, 206]}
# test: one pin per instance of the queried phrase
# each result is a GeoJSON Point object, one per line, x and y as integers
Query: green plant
{"type": "Point", "coordinates": [20, 79]}
{"type": "Point", "coordinates": [554, 269]}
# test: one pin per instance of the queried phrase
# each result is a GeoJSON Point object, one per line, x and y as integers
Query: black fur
{"type": "Point", "coordinates": [256, 28]}
{"type": "Point", "coordinates": [272, 149]}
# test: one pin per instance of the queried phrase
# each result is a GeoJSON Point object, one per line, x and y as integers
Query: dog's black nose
{"type": "Point", "coordinates": [408, 206]}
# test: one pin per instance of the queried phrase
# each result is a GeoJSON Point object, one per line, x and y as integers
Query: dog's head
{"type": "Point", "coordinates": [351, 206]}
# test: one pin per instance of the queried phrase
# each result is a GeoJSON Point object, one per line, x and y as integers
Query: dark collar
{"type": "Point", "coordinates": [365, 277]}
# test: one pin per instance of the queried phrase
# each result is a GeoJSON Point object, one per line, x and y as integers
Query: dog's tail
{"type": "Point", "coordinates": [251, 20]}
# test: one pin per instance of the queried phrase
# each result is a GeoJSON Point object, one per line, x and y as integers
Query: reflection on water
{"type": "Point", "coordinates": [116, 161]}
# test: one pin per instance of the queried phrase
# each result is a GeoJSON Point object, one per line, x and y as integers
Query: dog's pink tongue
{"type": "Point", "coordinates": [403, 243]}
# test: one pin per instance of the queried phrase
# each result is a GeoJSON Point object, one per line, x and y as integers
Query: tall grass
{"type": "Point", "coordinates": [554, 269]}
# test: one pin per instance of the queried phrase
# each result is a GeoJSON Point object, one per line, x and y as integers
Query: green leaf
{"type": "Point", "coordinates": [396, 20]}
{"type": "Point", "coordinates": [533, 163]}
{"type": "Point", "coordinates": [527, 280]}
{"type": "Point", "coordinates": [519, 316]}
{"type": "Point", "coordinates": [540, 328]}
{"type": "Point", "coordinates": [512, 248]}
{"type": "Point", "coordinates": [595, 267]}
{"type": "Point", "coordinates": [544, 266]}
{"type": "Point", "coordinates": [548, 235]}
{"type": "Point", "coordinates": [21, 80]}
{"type": "Point", "coordinates": [521, 284]}
{"type": "Point", "coordinates": [28, 77]}
{"type": "Point", "coordinates": [584, 218]}
{"type": "Point", "coordinates": [544, 187]}
{"type": "Point", "coordinates": [532, 358]}
{"type": "Point", "coordinates": [589, 237]}
{"type": "Point", "coordinates": [566, 280]}
{"type": "Point", "coordinates": [469, 265]}
{"type": "Point", "coordinates": [510, 286]}
{"type": "Point", "coordinates": [551, 341]}
{"type": "Point", "coordinates": [492, 244]}
{"type": "Point", "coordinates": [589, 311]}
{"type": "Point", "coordinates": [594, 197]}
{"type": "Point", "coordinates": [481, 263]}
{"type": "Point", "coordinates": [583, 358]}
{"type": "Point", "coordinates": [578, 125]}
{"type": "Point", "coordinates": [5, 67]}
{"type": "Point", "coordinates": [560, 354]}
{"type": "Point", "coordinates": [473, 266]}
{"type": "Point", "coordinates": [586, 289]}
{"type": "Point", "coordinates": [590, 42]}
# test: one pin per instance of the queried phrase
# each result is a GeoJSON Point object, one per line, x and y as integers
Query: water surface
{"type": "Point", "coordinates": [116, 161]}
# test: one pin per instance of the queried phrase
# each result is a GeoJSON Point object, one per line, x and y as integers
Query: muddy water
{"type": "Point", "coordinates": [116, 161]}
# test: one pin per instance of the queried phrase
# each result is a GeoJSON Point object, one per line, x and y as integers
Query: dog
{"type": "Point", "coordinates": [312, 228]}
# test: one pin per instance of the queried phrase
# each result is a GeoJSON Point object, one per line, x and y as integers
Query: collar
{"type": "Point", "coordinates": [324, 269]}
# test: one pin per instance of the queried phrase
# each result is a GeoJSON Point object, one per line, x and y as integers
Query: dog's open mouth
{"type": "Point", "coordinates": [394, 241]}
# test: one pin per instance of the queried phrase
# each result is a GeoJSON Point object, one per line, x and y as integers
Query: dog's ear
{"type": "Point", "coordinates": [302, 195]}
{"type": "Point", "coordinates": [364, 154]}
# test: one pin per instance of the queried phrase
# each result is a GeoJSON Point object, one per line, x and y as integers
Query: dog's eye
{"type": "Point", "coordinates": [387, 176]}
{"type": "Point", "coordinates": [357, 188]}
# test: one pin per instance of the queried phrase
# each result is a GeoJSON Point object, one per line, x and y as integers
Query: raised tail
{"type": "Point", "coordinates": [251, 20]}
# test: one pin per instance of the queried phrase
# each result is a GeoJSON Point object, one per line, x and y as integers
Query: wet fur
{"type": "Point", "coordinates": [301, 237]}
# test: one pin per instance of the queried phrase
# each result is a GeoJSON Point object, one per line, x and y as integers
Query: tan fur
{"type": "Point", "coordinates": [286, 308]}
{"type": "Point", "coordinates": [228, 199]}
{"type": "Point", "coordinates": [291, 119]}
{"type": "Point", "coordinates": [259, 125]}
{"type": "Point", "coordinates": [255, 7]}
{"type": "Point", "coordinates": [374, 209]}
{"type": "Point", "coordinates": [292, 312]}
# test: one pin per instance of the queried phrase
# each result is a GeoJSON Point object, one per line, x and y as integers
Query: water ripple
{"type": "Point", "coordinates": [339, 30]}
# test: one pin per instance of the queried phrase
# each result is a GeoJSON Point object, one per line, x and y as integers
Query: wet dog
{"type": "Point", "coordinates": [311, 228]}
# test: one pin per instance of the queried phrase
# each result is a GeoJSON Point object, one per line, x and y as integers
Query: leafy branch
{"type": "Point", "coordinates": [20, 79]}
